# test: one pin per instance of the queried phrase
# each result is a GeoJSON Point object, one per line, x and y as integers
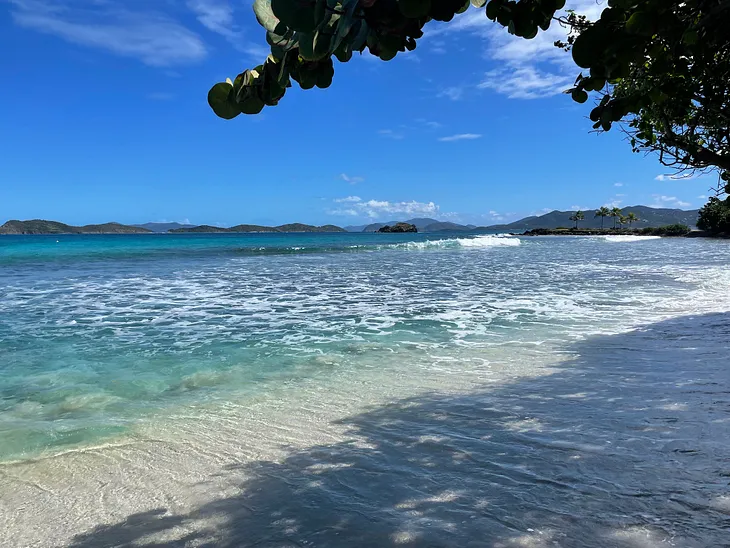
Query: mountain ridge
{"type": "Point", "coordinates": [648, 217]}
{"type": "Point", "coordinates": [40, 226]}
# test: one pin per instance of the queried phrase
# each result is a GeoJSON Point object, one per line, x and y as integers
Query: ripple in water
{"type": "Point", "coordinates": [552, 392]}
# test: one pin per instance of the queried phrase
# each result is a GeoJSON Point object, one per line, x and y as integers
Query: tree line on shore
{"type": "Point", "coordinates": [615, 213]}
{"type": "Point", "coordinates": [714, 218]}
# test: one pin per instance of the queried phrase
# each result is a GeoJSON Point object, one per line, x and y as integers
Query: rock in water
{"type": "Point", "coordinates": [399, 227]}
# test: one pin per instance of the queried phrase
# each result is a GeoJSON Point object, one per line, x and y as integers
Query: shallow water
{"type": "Point", "coordinates": [363, 390]}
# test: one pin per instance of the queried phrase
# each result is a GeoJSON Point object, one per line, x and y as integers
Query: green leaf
{"type": "Point", "coordinates": [325, 75]}
{"type": "Point", "coordinates": [218, 99]}
{"type": "Point", "coordinates": [414, 9]}
{"type": "Point", "coordinates": [690, 37]}
{"type": "Point", "coordinates": [579, 96]}
{"type": "Point", "coordinates": [306, 46]}
{"type": "Point", "coordinates": [589, 47]}
{"type": "Point", "coordinates": [264, 14]}
{"type": "Point", "coordinates": [298, 15]}
{"type": "Point", "coordinates": [359, 33]}
{"type": "Point", "coordinates": [493, 9]}
{"type": "Point", "coordinates": [251, 105]}
{"type": "Point", "coordinates": [639, 22]}
{"type": "Point", "coordinates": [478, 3]}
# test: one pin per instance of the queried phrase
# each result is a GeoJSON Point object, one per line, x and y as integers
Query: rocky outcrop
{"type": "Point", "coordinates": [399, 227]}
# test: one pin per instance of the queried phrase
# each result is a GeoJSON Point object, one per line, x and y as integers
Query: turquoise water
{"type": "Point", "coordinates": [99, 332]}
{"type": "Point", "coordinates": [156, 360]}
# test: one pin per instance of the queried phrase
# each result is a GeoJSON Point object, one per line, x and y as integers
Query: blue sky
{"type": "Point", "coordinates": [104, 117]}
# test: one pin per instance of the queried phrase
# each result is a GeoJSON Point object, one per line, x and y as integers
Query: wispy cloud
{"type": "Point", "coordinates": [350, 179]}
{"type": "Point", "coordinates": [454, 93]}
{"type": "Point", "coordinates": [618, 184]}
{"type": "Point", "coordinates": [678, 177]}
{"type": "Point", "coordinates": [374, 209]}
{"type": "Point", "coordinates": [428, 123]}
{"type": "Point", "coordinates": [529, 69]}
{"type": "Point", "coordinates": [391, 134]}
{"type": "Point", "coordinates": [525, 82]}
{"type": "Point", "coordinates": [153, 38]}
{"type": "Point", "coordinates": [460, 137]}
{"type": "Point", "coordinates": [668, 201]}
{"type": "Point", "coordinates": [216, 16]}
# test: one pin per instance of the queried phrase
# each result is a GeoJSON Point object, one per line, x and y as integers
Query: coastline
{"type": "Point", "coordinates": [617, 232]}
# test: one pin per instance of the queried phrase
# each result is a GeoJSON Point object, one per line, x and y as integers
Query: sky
{"type": "Point", "coordinates": [103, 117]}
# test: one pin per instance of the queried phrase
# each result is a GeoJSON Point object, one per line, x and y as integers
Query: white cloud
{"type": "Point", "coordinates": [428, 123]}
{"type": "Point", "coordinates": [216, 16]}
{"type": "Point", "coordinates": [528, 69]}
{"type": "Point", "coordinates": [524, 82]}
{"type": "Point", "coordinates": [453, 92]}
{"type": "Point", "coordinates": [618, 184]}
{"type": "Point", "coordinates": [702, 197]}
{"type": "Point", "coordinates": [668, 201]}
{"type": "Point", "coordinates": [391, 134]}
{"type": "Point", "coordinates": [460, 137]}
{"type": "Point", "coordinates": [678, 177]}
{"type": "Point", "coordinates": [150, 37]}
{"type": "Point", "coordinates": [377, 208]}
{"type": "Point", "coordinates": [579, 208]}
{"type": "Point", "coordinates": [352, 180]}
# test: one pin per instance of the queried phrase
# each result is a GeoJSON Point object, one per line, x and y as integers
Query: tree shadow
{"type": "Point", "coordinates": [626, 444]}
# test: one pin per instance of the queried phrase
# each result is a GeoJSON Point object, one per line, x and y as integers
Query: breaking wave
{"type": "Point", "coordinates": [629, 238]}
{"type": "Point", "coordinates": [487, 240]}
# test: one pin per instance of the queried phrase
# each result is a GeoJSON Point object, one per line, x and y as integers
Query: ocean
{"type": "Point", "coordinates": [364, 390]}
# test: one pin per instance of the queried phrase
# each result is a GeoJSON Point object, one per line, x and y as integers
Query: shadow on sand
{"type": "Point", "coordinates": [628, 445]}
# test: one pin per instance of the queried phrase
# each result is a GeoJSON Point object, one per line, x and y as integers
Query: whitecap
{"type": "Point", "coordinates": [629, 238]}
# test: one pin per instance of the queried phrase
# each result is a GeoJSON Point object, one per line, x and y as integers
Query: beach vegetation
{"type": "Point", "coordinates": [715, 216]}
{"type": "Point", "coordinates": [577, 217]}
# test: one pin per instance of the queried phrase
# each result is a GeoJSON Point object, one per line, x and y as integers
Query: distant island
{"type": "Point", "coordinates": [38, 226]}
{"type": "Point", "coordinates": [646, 217]}
{"type": "Point", "coordinates": [399, 227]}
{"type": "Point", "coordinates": [292, 227]}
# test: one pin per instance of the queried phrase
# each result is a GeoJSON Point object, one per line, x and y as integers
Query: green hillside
{"type": "Point", "coordinates": [299, 227]}
{"type": "Point", "coordinates": [253, 228]}
{"type": "Point", "coordinates": [648, 217]}
{"type": "Point", "coordinates": [205, 229]}
{"type": "Point", "coordinates": [39, 226]}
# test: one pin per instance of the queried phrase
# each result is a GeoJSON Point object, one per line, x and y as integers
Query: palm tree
{"type": "Point", "coordinates": [615, 213]}
{"type": "Point", "coordinates": [622, 221]}
{"type": "Point", "coordinates": [577, 216]}
{"type": "Point", "coordinates": [631, 218]}
{"type": "Point", "coordinates": [602, 212]}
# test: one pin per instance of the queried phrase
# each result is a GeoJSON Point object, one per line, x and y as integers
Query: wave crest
{"type": "Point", "coordinates": [629, 238]}
{"type": "Point", "coordinates": [487, 240]}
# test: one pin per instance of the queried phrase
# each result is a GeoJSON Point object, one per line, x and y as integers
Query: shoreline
{"type": "Point", "coordinates": [616, 232]}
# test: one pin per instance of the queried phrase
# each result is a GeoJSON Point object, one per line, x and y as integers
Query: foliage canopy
{"type": "Point", "coordinates": [715, 216]}
{"type": "Point", "coordinates": [660, 67]}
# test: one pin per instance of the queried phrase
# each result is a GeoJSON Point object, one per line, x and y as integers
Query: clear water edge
{"type": "Point", "coordinates": [189, 352]}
